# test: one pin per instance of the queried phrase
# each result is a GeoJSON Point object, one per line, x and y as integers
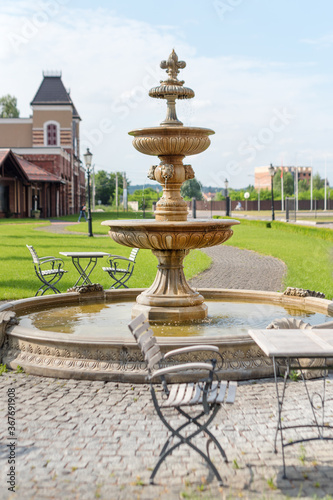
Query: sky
{"type": "Point", "coordinates": [261, 70]}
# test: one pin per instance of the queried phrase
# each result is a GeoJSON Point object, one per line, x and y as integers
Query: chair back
{"type": "Point", "coordinates": [144, 335]}
{"type": "Point", "coordinates": [33, 254]}
{"type": "Point", "coordinates": [133, 254]}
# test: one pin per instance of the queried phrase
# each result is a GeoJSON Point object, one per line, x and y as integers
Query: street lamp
{"type": "Point", "coordinates": [87, 160]}
{"type": "Point", "coordinates": [271, 173]}
{"type": "Point", "coordinates": [227, 212]}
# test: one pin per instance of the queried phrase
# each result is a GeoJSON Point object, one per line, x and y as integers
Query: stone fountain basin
{"type": "Point", "coordinates": [175, 140]}
{"type": "Point", "coordinates": [170, 235]}
{"type": "Point", "coordinates": [54, 354]}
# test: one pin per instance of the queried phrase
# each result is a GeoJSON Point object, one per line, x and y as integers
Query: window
{"type": "Point", "coordinates": [52, 134]}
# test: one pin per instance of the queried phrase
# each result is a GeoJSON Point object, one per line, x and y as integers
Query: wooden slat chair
{"type": "Point", "coordinates": [205, 396]}
{"type": "Point", "coordinates": [117, 270]}
{"type": "Point", "coordinates": [48, 276]}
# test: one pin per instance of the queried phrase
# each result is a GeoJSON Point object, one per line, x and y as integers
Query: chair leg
{"type": "Point", "coordinates": [211, 437]}
{"type": "Point", "coordinates": [166, 451]}
{"type": "Point", "coordinates": [122, 280]}
{"type": "Point", "coordinates": [48, 284]}
{"type": "Point", "coordinates": [195, 448]}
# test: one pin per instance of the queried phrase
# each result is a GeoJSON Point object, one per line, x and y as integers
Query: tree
{"type": "Point", "coordinates": [288, 184]}
{"type": "Point", "coordinates": [219, 196]}
{"type": "Point", "coordinates": [8, 107]}
{"type": "Point", "coordinates": [105, 186]}
{"type": "Point", "coordinates": [191, 189]}
{"type": "Point", "coordinates": [318, 183]}
{"type": "Point", "coordinates": [148, 195]}
{"type": "Point", "coordinates": [303, 186]}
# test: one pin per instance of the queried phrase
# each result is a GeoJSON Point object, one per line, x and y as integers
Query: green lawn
{"type": "Point", "coordinates": [307, 251]}
{"type": "Point", "coordinates": [18, 280]}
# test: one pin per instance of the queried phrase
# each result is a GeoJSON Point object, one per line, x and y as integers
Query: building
{"type": "Point", "coordinates": [262, 178]}
{"type": "Point", "coordinates": [50, 141]}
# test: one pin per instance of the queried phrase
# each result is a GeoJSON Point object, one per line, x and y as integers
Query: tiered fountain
{"type": "Point", "coordinates": [85, 336]}
{"type": "Point", "coordinates": [171, 236]}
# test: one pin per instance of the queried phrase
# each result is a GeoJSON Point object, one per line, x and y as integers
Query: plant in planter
{"type": "Point", "coordinates": [35, 214]}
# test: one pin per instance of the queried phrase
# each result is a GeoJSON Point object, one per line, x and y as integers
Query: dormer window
{"type": "Point", "coordinates": [51, 134]}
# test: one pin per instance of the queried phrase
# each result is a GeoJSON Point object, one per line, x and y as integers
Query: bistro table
{"type": "Point", "coordinates": [288, 348]}
{"type": "Point", "coordinates": [86, 271]}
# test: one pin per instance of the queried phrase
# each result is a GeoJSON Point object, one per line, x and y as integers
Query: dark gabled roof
{"type": "Point", "coordinates": [53, 92]}
{"type": "Point", "coordinates": [28, 170]}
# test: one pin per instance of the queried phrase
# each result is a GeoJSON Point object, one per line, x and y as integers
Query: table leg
{"type": "Point", "coordinates": [280, 405]}
{"type": "Point", "coordinates": [320, 426]}
{"type": "Point", "coordinates": [84, 275]}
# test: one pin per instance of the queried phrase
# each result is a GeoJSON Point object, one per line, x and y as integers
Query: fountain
{"type": "Point", "coordinates": [32, 331]}
{"type": "Point", "coordinates": [171, 236]}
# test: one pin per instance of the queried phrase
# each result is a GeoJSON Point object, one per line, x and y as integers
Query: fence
{"type": "Point", "coordinates": [252, 205]}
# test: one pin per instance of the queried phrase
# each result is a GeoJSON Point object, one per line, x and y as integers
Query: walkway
{"type": "Point", "coordinates": [79, 440]}
{"type": "Point", "coordinates": [242, 269]}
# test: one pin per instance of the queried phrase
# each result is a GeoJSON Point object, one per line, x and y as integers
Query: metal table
{"type": "Point", "coordinates": [287, 348]}
{"type": "Point", "coordinates": [86, 271]}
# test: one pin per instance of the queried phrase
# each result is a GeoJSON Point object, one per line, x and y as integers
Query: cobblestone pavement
{"type": "Point", "coordinates": [242, 269]}
{"type": "Point", "coordinates": [85, 440]}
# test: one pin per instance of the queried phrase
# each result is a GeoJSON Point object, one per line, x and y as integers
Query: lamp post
{"type": "Point", "coordinates": [87, 160]}
{"type": "Point", "coordinates": [227, 212]}
{"type": "Point", "coordinates": [271, 173]}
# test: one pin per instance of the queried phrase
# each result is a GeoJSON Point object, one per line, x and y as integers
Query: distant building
{"type": "Point", "coordinates": [262, 178]}
{"type": "Point", "coordinates": [49, 140]}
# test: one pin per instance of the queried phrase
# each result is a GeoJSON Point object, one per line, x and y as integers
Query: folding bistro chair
{"type": "Point", "coordinates": [49, 277]}
{"type": "Point", "coordinates": [205, 396]}
{"type": "Point", "coordinates": [121, 275]}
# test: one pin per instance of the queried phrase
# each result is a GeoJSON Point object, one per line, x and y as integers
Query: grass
{"type": "Point", "coordinates": [307, 251]}
{"type": "Point", "coordinates": [3, 369]}
{"type": "Point", "coordinates": [18, 279]}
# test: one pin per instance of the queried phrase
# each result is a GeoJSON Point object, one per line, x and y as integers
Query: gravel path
{"type": "Point", "coordinates": [242, 269]}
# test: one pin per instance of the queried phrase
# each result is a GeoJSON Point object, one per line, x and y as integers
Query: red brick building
{"type": "Point", "coordinates": [50, 140]}
{"type": "Point", "coordinates": [262, 178]}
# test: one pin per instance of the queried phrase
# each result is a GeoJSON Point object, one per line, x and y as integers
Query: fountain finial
{"type": "Point", "coordinates": [172, 88]}
{"type": "Point", "coordinates": [172, 66]}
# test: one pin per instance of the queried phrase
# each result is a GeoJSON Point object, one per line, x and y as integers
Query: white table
{"type": "Point", "coordinates": [288, 348]}
{"type": "Point", "coordinates": [86, 271]}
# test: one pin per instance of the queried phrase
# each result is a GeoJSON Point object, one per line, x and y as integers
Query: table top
{"type": "Point", "coordinates": [83, 255]}
{"type": "Point", "coordinates": [305, 343]}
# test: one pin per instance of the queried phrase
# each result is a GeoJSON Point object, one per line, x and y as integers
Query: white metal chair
{"type": "Point", "coordinates": [117, 270]}
{"type": "Point", "coordinates": [205, 396]}
{"type": "Point", "coordinates": [48, 277]}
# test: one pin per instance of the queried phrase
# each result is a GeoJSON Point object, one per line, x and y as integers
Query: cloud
{"type": "Point", "coordinates": [323, 41]}
{"type": "Point", "coordinates": [110, 62]}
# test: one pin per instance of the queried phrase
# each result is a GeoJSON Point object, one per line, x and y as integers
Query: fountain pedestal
{"type": "Point", "coordinates": [170, 298]}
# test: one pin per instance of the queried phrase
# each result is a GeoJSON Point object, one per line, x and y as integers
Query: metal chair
{"type": "Point", "coordinates": [49, 277]}
{"type": "Point", "coordinates": [121, 275]}
{"type": "Point", "coordinates": [205, 396]}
